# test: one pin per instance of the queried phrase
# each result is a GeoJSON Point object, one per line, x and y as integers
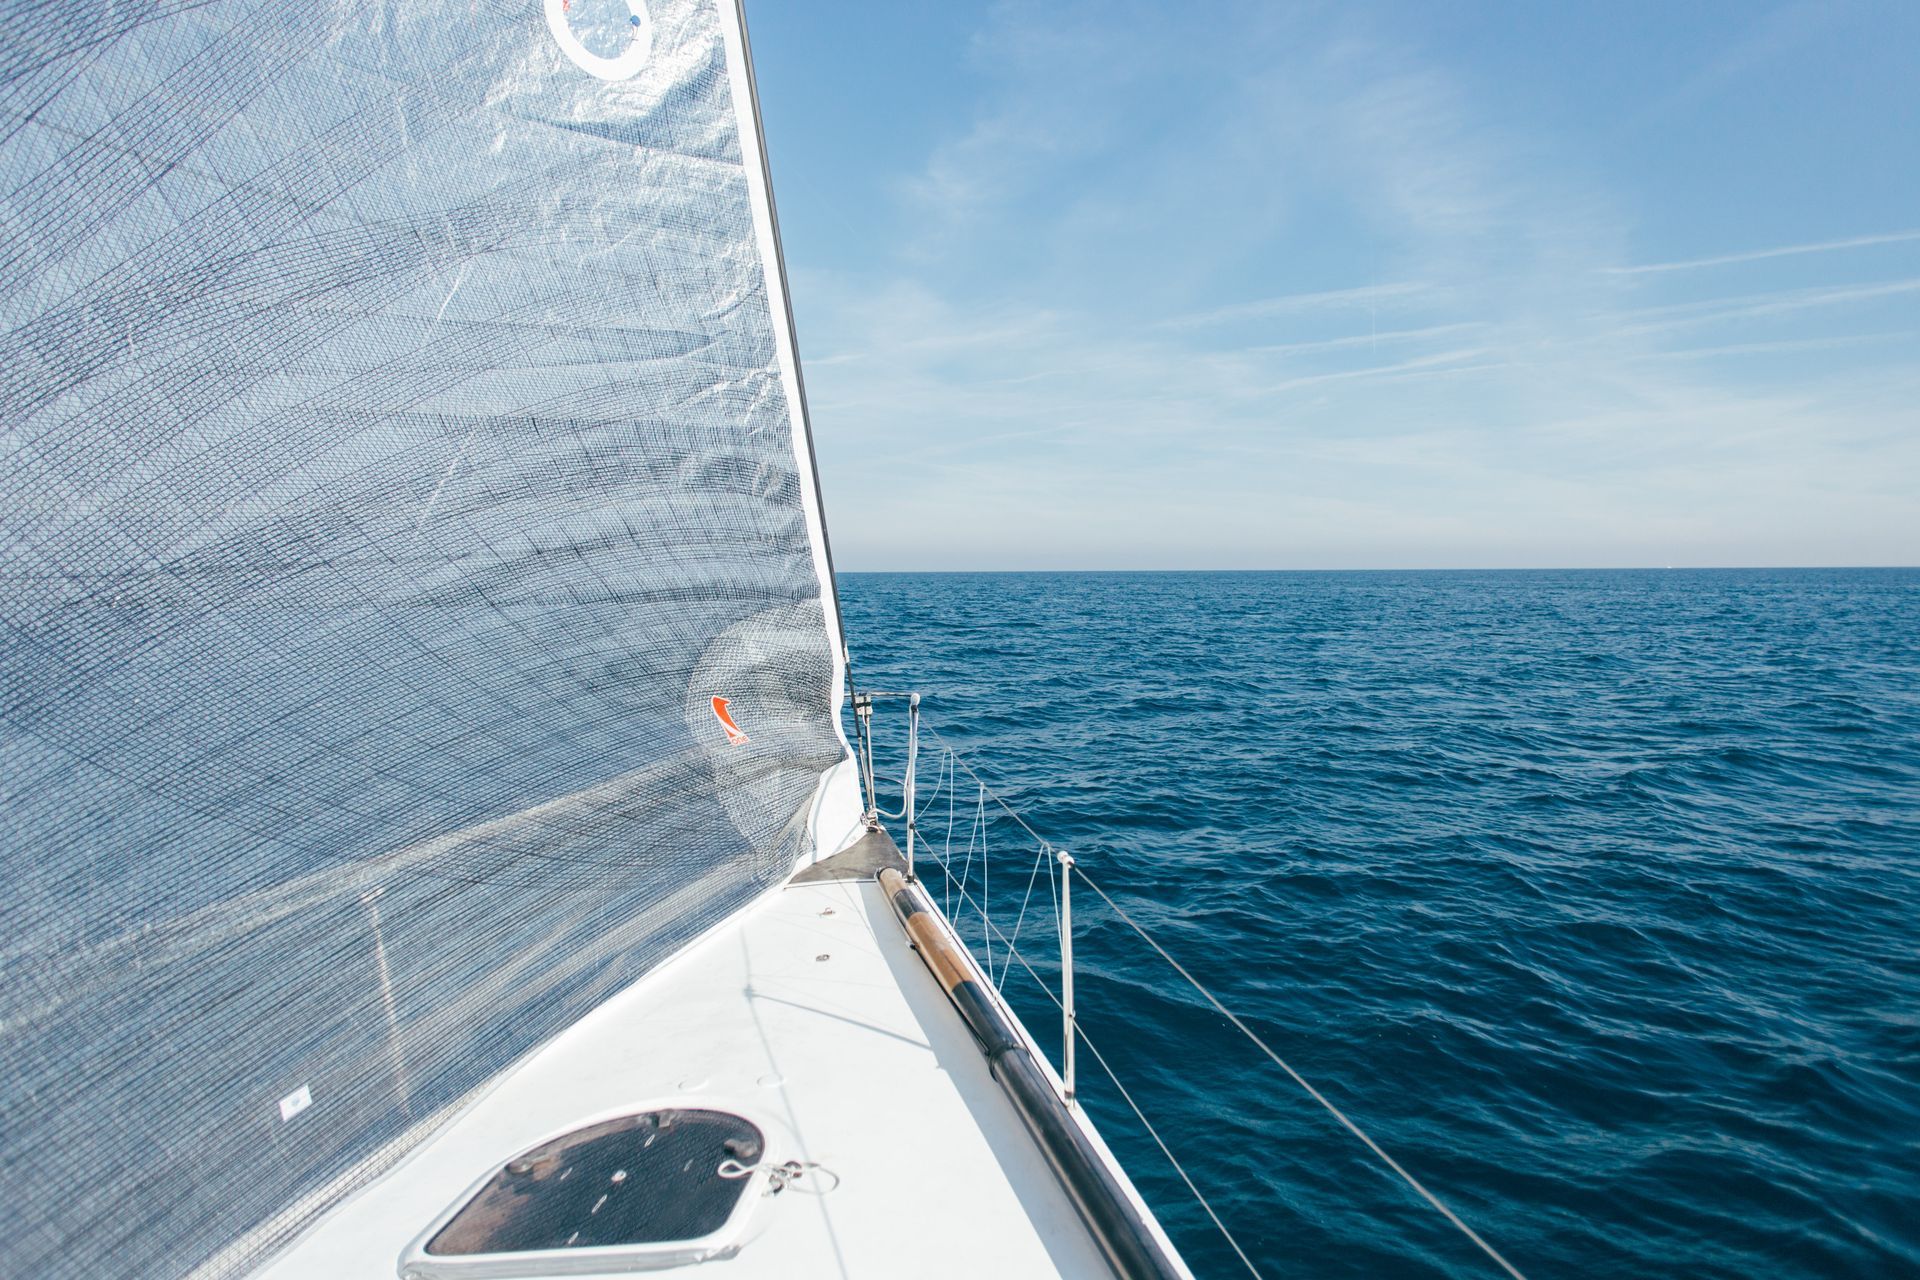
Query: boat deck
{"type": "Point", "coordinates": [809, 1010]}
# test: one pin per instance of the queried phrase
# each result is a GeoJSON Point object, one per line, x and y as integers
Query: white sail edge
{"type": "Point", "coordinates": [836, 817]}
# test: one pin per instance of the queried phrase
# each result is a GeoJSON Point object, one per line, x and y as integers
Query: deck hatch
{"type": "Point", "coordinates": [650, 1178]}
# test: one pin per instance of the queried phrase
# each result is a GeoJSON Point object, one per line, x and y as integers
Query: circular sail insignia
{"type": "Point", "coordinates": [620, 66]}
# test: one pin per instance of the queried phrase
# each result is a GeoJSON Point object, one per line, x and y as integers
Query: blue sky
{"type": "Point", "coordinates": [1276, 285]}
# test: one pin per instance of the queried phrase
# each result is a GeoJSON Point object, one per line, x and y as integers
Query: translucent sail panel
{"type": "Point", "coordinates": [412, 622]}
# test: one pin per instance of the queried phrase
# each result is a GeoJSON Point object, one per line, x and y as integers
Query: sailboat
{"type": "Point", "coordinates": [432, 844]}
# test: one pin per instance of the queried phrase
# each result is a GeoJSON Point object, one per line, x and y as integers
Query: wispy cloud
{"type": "Point", "coordinates": [1769, 39]}
{"type": "Point", "coordinates": [1134, 320]}
{"type": "Point", "coordinates": [1760, 255]}
{"type": "Point", "coordinates": [1426, 333]}
{"type": "Point", "coordinates": [1749, 306]}
{"type": "Point", "coordinates": [1362, 296]}
{"type": "Point", "coordinates": [1438, 364]}
{"type": "Point", "coordinates": [1785, 346]}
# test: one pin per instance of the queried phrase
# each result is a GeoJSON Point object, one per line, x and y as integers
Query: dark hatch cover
{"type": "Point", "coordinates": [642, 1179]}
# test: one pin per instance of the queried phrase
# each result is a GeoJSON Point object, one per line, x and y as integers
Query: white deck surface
{"type": "Point", "coordinates": [859, 1057]}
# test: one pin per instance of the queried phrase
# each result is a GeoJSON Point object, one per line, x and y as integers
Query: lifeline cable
{"type": "Point", "coordinates": [1245, 1030]}
{"type": "Point", "coordinates": [1300, 1080]}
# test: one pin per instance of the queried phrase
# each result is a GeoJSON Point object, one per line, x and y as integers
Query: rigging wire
{"type": "Point", "coordinates": [1101, 1058]}
{"type": "Point", "coordinates": [1301, 1080]}
{"type": "Point", "coordinates": [1040, 855]}
{"type": "Point", "coordinates": [1339, 1115]}
{"type": "Point", "coordinates": [991, 793]}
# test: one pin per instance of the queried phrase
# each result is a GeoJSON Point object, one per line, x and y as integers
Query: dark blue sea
{"type": "Point", "coordinates": [1593, 896]}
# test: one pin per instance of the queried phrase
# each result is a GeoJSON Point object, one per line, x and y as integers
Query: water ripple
{"type": "Point", "coordinates": [1593, 895]}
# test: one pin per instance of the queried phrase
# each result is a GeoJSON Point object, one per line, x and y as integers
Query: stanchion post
{"type": "Point", "coordinates": [1066, 970]}
{"type": "Point", "coordinates": [863, 752]}
{"type": "Point", "coordinates": [913, 758]}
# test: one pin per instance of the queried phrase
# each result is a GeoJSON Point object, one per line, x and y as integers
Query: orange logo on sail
{"type": "Point", "coordinates": [723, 712]}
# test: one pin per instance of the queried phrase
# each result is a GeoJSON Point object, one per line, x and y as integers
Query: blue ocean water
{"type": "Point", "coordinates": [1594, 896]}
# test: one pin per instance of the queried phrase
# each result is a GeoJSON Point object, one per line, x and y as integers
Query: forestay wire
{"type": "Point", "coordinates": [1045, 848]}
{"type": "Point", "coordinates": [1101, 1058]}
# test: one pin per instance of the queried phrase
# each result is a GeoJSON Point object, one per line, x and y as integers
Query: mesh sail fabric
{"type": "Point", "coordinates": [397, 462]}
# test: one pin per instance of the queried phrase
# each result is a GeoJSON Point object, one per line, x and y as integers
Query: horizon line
{"type": "Point", "coordinates": [1621, 568]}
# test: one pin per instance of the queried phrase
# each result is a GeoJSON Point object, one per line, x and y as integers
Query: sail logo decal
{"type": "Point", "coordinates": [723, 712]}
{"type": "Point", "coordinates": [620, 66]}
